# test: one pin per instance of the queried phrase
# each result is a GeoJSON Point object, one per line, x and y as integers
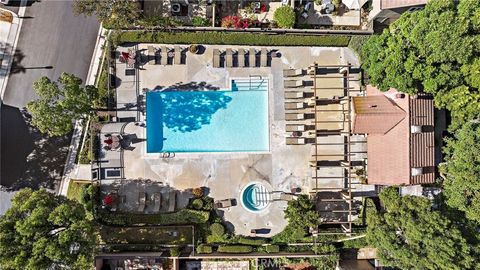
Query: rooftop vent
{"type": "Point", "coordinates": [417, 171]}
{"type": "Point", "coordinates": [416, 129]}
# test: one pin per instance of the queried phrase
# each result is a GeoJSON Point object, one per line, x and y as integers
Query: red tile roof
{"type": "Point", "coordinates": [375, 114]}
{"type": "Point", "coordinates": [389, 4]}
{"type": "Point", "coordinates": [392, 155]}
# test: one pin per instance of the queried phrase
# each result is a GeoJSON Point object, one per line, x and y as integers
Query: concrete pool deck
{"type": "Point", "coordinates": [225, 174]}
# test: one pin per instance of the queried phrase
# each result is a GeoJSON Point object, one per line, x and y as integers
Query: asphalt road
{"type": "Point", "coordinates": [52, 40]}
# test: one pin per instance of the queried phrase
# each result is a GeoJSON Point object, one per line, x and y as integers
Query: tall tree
{"type": "Point", "coordinates": [408, 234]}
{"type": "Point", "coordinates": [44, 231]}
{"type": "Point", "coordinates": [462, 170]}
{"type": "Point", "coordinates": [113, 13]}
{"type": "Point", "coordinates": [434, 51]}
{"type": "Point", "coordinates": [60, 103]}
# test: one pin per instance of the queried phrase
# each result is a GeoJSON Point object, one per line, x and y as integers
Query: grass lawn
{"type": "Point", "coordinates": [74, 189]}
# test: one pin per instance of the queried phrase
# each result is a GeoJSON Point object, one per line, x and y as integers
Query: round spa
{"type": "Point", "coordinates": [255, 197]}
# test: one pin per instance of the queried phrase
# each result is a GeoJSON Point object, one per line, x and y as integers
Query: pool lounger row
{"type": "Point", "coordinates": [293, 72]}
{"type": "Point", "coordinates": [160, 55]}
{"type": "Point", "coordinates": [241, 57]}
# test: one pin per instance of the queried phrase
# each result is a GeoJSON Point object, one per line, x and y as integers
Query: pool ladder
{"type": "Point", "coordinates": [168, 155]}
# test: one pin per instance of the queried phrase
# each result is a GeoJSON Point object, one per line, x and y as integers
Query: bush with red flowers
{"type": "Point", "coordinates": [236, 22]}
{"type": "Point", "coordinates": [263, 8]}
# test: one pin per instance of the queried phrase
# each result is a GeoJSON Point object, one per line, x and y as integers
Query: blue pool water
{"type": "Point", "coordinates": [207, 121]}
{"type": "Point", "coordinates": [255, 197]}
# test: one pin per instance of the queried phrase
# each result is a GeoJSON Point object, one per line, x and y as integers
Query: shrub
{"type": "Point", "coordinates": [193, 49]}
{"type": "Point", "coordinates": [285, 17]}
{"type": "Point", "coordinates": [324, 249]}
{"type": "Point", "coordinates": [197, 204]}
{"type": "Point", "coordinates": [200, 21]}
{"type": "Point", "coordinates": [235, 249]}
{"type": "Point", "coordinates": [229, 38]}
{"type": "Point", "coordinates": [217, 229]}
{"type": "Point", "coordinates": [251, 241]}
{"type": "Point", "coordinates": [272, 249]}
{"type": "Point", "coordinates": [175, 252]}
{"type": "Point", "coordinates": [197, 192]}
{"type": "Point", "coordinates": [204, 249]}
{"type": "Point", "coordinates": [182, 217]}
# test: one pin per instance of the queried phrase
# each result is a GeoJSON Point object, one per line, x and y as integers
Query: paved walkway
{"type": "Point", "coordinates": [8, 38]}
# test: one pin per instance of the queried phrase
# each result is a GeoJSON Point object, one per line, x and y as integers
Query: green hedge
{"type": "Point", "coordinates": [235, 249]}
{"type": "Point", "coordinates": [272, 249]}
{"type": "Point", "coordinates": [182, 217]}
{"type": "Point", "coordinates": [251, 241]}
{"type": "Point", "coordinates": [204, 249]}
{"type": "Point", "coordinates": [234, 38]}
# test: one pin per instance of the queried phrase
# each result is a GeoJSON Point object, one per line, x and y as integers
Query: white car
{"type": "Point", "coordinates": [5, 2]}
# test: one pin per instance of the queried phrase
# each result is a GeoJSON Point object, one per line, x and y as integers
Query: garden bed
{"type": "Point", "coordinates": [182, 217]}
{"type": "Point", "coordinates": [171, 235]}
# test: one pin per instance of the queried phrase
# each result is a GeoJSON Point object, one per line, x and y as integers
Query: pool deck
{"type": "Point", "coordinates": [225, 174]}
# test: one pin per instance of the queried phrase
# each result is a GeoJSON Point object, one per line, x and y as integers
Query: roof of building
{"type": "Point", "coordinates": [393, 154]}
{"type": "Point", "coordinates": [375, 114]}
{"type": "Point", "coordinates": [389, 4]}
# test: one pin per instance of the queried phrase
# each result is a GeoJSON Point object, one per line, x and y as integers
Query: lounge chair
{"type": "Point", "coordinates": [216, 58]}
{"type": "Point", "coordinates": [172, 200]}
{"type": "Point", "coordinates": [294, 105]}
{"type": "Point", "coordinates": [163, 55]}
{"type": "Point", "coordinates": [157, 201]}
{"type": "Point", "coordinates": [294, 116]}
{"type": "Point", "coordinates": [224, 203]}
{"type": "Point", "coordinates": [241, 58]}
{"type": "Point", "coordinates": [252, 58]}
{"type": "Point", "coordinates": [263, 57]}
{"type": "Point", "coordinates": [229, 58]}
{"type": "Point", "coordinates": [141, 201]}
{"type": "Point", "coordinates": [281, 196]}
{"type": "Point", "coordinates": [151, 55]}
{"type": "Point", "coordinates": [291, 128]}
{"type": "Point", "coordinates": [295, 140]}
{"type": "Point", "coordinates": [294, 95]}
{"type": "Point", "coordinates": [292, 72]}
{"type": "Point", "coordinates": [292, 83]}
{"type": "Point", "coordinates": [177, 56]}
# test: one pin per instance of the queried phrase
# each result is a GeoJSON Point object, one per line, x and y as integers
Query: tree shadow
{"type": "Point", "coordinates": [29, 158]}
{"type": "Point", "coordinates": [191, 86]}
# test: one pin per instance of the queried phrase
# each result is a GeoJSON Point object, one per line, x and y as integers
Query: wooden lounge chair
{"type": "Point", "coordinates": [294, 105]}
{"type": "Point", "coordinates": [151, 55]}
{"type": "Point", "coordinates": [163, 55]}
{"type": "Point", "coordinates": [292, 72]}
{"type": "Point", "coordinates": [177, 56]}
{"type": "Point", "coordinates": [292, 127]}
{"type": "Point", "coordinates": [157, 201]}
{"type": "Point", "coordinates": [224, 203]}
{"type": "Point", "coordinates": [263, 57]}
{"type": "Point", "coordinates": [172, 200]}
{"type": "Point", "coordinates": [141, 201]}
{"type": "Point", "coordinates": [229, 58]}
{"type": "Point", "coordinates": [294, 116]}
{"type": "Point", "coordinates": [241, 58]}
{"type": "Point", "coordinates": [292, 83]}
{"type": "Point", "coordinates": [295, 141]}
{"type": "Point", "coordinates": [281, 196]}
{"type": "Point", "coordinates": [252, 58]}
{"type": "Point", "coordinates": [216, 58]}
{"type": "Point", "coordinates": [294, 95]}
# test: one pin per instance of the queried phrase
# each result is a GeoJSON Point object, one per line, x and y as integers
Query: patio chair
{"type": "Point", "coordinates": [241, 58]}
{"type": "Point", "coordinates": [293, 127]}
{"type": "Point", "coordinates": [229, 58]}
{"type": "Point", "coordinates": [292, 83]}
{"type": "Point", "coordinates": [151, 55]}
{"type": "Point", "coordinates": [294, 95]}
{"type": "Point", "coordinates": [263, 57]}
{"type": "Point", "coordinates": [294, 105]}
{"type": "Point", "coordinates": [283, 196]}
{"type": "Point", "coordinates": [292, 72]}
{"type": "Point", "coordinates": [141, 201]}
{"type": "Point", "coordinates": [294, 116]}
{"type": "Point", "coordinates": [295, 140]}
{"type": "Point", "coordinates": [163, 55]}
{"type": "Point", "coordinates": [172, 200]}
{"type": "Point", "coordinates": [157, 201]}
{"type": "Point", "coordinates": [177, 56]}
{"type": "Point", "coordinates": [226, 203]}
{"type": "Point", "coordinates": [216, 58]}
{"type": "Point", "coordinates": [252, 58]}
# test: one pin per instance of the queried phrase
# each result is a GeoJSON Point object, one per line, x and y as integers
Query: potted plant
{"type": "Point", "coordinates": [194, 48]}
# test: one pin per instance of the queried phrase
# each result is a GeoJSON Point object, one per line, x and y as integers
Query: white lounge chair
{"type": "Point", "coordinates": [292, 83]}
{"type": "Point", "coordinates": [177, 57]}
{"type": "Point", "coordinates": [295, 140]}
{"type": "Point", "coordinates": [292, 127]}
{"type": "Point", "coordinates": [263, 57]}
{"type": "Point", "coordinates": [163, 55]}
{"type": "Point", "coordinates": [157, 201]}
{"type": "Point", "coordinates": [241, 58]}
{"type": "Point", "coordinates": [294, 116]}
{"type": "Point", "coordinates": [294, 95]}
{"type": "Point", "coordinates": [294, 105]}
{"type": "Point", "coordinates": [229, 58]}
{"type": "Point", "coordinates": [151, 55]}
{"type": "Point", "coordinates": [216, 58]}
{"type": "Point", "coordinates": [252, 58]}
{"type": "Point", "coordinates": [292, 72]}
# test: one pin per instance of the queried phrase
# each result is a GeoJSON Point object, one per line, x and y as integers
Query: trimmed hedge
{"type": "Point", "coordinates": [204, 249]}
{"type": "Point", "coordinates": [251, 241]}
{"type": "Point", "coordinates": [272, 249]}
{"type": "Point", "coordinates": [234, 38]}
{"type": "Point", "coordinates": [182, 217]}
{"type": "Point", "coordinates": [235, 249]}
{"type": "Point", "coordinates": [217, 229]}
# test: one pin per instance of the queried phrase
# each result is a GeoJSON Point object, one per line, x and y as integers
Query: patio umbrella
{"type": "Point", "coordinates": [108, 199]}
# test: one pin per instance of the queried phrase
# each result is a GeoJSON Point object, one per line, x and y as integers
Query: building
{"type": "Point", "coordinates": [400, 136]}
{"type": "Point", "coordinates": [387, 11]}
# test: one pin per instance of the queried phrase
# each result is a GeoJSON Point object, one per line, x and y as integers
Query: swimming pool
{"type": "Point", "coordinates": [207, 121]}
{"type": "Point", "coordinates": [255, 197]}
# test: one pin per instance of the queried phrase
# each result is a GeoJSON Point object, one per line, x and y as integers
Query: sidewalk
{"type": "Point", "coordinates": [8, 36]}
